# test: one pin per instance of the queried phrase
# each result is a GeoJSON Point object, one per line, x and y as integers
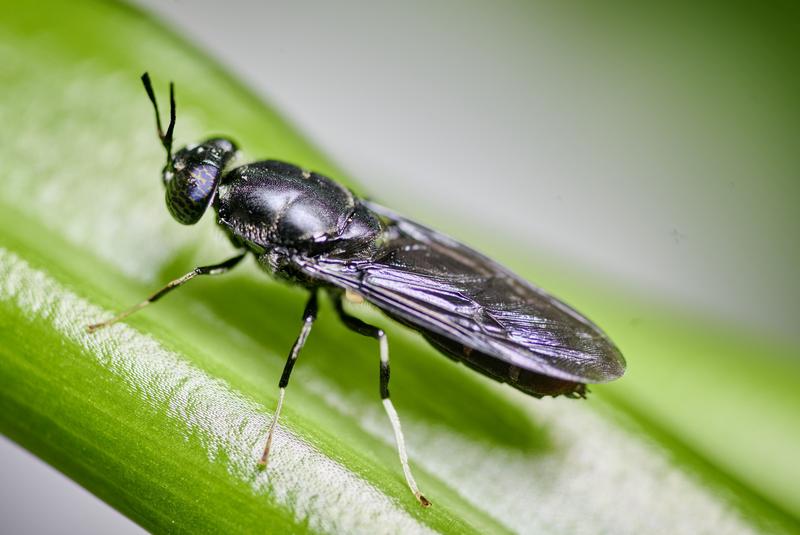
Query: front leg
{"type": "Point", "coordinates": [216, 269]}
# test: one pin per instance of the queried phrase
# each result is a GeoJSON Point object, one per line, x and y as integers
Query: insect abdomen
{"type": "Point", "coordinates": [533, 384]}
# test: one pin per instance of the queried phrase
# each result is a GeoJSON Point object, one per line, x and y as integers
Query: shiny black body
{"type": "Point", "coordinates": [310, 230]}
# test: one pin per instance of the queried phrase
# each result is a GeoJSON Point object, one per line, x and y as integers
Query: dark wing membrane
{"type": "Point", "coordinates": [437, 284]}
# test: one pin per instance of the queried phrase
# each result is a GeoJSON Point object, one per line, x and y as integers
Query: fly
{"type": "Point", "coordinates": [310, 231]}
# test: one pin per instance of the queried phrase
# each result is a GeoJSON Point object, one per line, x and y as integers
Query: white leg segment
{"type": "Point", "coordinates": [398, 431]}
{"type": "Point", "coordinates": [265, 455]}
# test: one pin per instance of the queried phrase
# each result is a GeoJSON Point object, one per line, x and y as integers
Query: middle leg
{"type": "Point", "coordinates": [309, 315]}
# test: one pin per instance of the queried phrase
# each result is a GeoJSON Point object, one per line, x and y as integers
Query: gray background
{"type": "Point", "coordinates": [655, 150]}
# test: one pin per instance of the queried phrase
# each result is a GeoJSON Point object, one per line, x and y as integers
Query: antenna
{"type": "Point", "coordinates": [166, 139]}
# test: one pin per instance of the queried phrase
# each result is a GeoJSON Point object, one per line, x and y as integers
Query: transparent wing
{"type": "Point", "coordinates": [433, 283]}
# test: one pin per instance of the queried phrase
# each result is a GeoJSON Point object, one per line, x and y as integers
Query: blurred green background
{"type": "Point", "coordinates": [639, 162]}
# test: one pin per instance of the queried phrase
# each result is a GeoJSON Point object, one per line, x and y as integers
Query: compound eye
{"type": "Point", "coordinates": [193, 176]}
{"type": "Point", "coordinates": [190, 190]}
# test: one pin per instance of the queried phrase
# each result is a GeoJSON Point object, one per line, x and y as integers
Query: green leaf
{"type": "Point", "coordinates": [163, 417]}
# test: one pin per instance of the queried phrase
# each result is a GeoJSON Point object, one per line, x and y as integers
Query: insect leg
{"type": "Point", "coordinates": [216, 269]}
{"type": "Point", "coordinates": [309, 315]}
{"type": "Point", "coordinates": [355, 324]}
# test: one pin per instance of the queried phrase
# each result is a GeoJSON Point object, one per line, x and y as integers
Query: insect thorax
{"type": "Point", "coordinates": [281, 212]}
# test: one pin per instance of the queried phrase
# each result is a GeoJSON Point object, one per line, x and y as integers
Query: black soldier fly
{"type": "Point", "coordinates": [308, 230]}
